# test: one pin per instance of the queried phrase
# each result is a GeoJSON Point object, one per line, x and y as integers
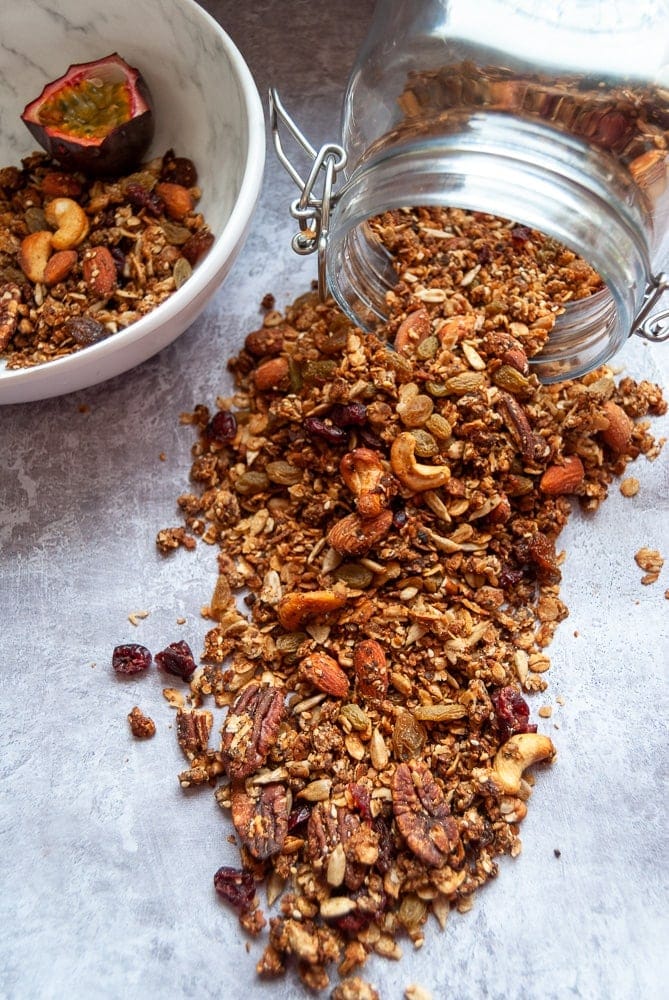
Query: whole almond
{"type": "Point", "coordinates": [265, 342]}
{"type": "Point", "coordinates": [271, 374]}
{"type": "Point", "coordinates": [517, 358]}
{"type": "Point", "coordinates": [413, 330]}
{"type": "Point", "coordinates": [619, 432]}
{"type": "Point", "coordinates": [99, 270]}
{"type": "Point", "coordinates": [178, 199]}
{"type": "Point", "coordinates": [36, 248]}
{"type": "Point", "coordinates": [324, 673]}
{"type": "Point", "coordinates": [371, 669]}
{"type": "Point", "coordinates": [59, 266]}
{"type": "Point", "coordinates": [354, 535]}
{"type": "Point", "coordinates": [565, 478]}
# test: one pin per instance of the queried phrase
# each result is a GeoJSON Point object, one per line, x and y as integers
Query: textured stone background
{"type": "Point", "coordinates": [106, 864]}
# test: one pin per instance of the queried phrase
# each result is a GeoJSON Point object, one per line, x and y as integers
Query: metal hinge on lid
{"type": "Point", "coordinates": [655, 327]}
{"type": "Point", "coordinates": [311, 211]}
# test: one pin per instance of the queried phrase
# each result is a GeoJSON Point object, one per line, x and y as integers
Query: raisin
{"type": "Point", "coordinates": [131, 658]}
{"type": "Point", "coordinates": [371, 440]}
{"type": "Point", "coordinates": [85, 331]}
{"type": "Point", "coordinates": [236, 886]}
{"type": "Point", "coordinates": [386, 847]}
{"type": "Point", "coordinates": [141, 198]}
{"type": "Point", "coordinates": [178, 170]}
{"type": "Point", "coordinates": [512, 713]}
{"type": "Point", "coordinates": [222, 427]}
{"type": "Point", "coordinates": [400, 516]}
{"type": "Point", "coordinates": [409, 736]}
{"type": "Point", "coordinates": [177, 659]}
{"type": "Point", "coordinates": [196, 246]}
{"type": "Point", "coordinates": [539, 552]}
{"type": "Point", "coordinates": [315, 427]}
{"type": "Point", "coordinates": [119, 260]}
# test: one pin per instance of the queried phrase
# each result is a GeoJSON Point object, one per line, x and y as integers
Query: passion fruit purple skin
{"type": "Point", "coordinates": [122, 148]}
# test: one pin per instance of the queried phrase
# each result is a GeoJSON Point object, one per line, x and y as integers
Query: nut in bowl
{"type": "Point", "coordinates": [195, 189]}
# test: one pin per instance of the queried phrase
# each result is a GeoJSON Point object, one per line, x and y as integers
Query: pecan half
{"type": "Point", "coordinates": [260, 817]}
{"type": "Point", "coordinates": [250, 729]}
{"type": "Point", "coordinates": [328, 827]}
{"type": "Point", "coordinates": [531, 447]}
{"type": "Point", "coordinates": [193, 728]}
{"type": "Point", "coordinates": [10, 297]}
{"type": "Point", "coordinates": [423, 817]}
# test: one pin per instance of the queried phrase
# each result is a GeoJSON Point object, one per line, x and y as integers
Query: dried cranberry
{"type": "Point", "coordinates": [222, 427]}
{"type": "Point", "coordinates": [510, 578]}
{"type": "Point", "coordinates": [131, 658]}
{"type": "Point", "coordinates": [361, 799]}
{"type": "Point", "coordinates": [236, 886]}
{"type": "Point", "coordinates": [315, 427]}
{"type": "Point", "coordinates": [348, 414]}
{"type": "Point", "coordinates": [369, 908]}
{"type": "Point", "coordinates": [512, 712]}
{"type": "Point", "coordinates": [141, 198]}
{"type": "Point", "coordinates": [353, 923]}
{"type": "Point", "coordinates": [520, 234]}
{"type": "Point", "coordinates": [298, 816]}
{"type": "Point", "coordinates": [177, 659]}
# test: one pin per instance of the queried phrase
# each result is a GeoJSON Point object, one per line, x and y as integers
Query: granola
{"type": "Point", "coordinates": [390, 505]}
{"type": "Point", "coordinates": [83, 258]}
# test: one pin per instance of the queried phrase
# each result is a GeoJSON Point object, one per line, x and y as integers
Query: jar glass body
{"type": "Point", "coordinates": [555, 116]}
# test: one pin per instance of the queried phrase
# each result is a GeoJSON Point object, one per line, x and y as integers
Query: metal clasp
{"type": "Point", "coordinates": [312, 212]}
{"type": "Point", "coordinates": [654, 328]}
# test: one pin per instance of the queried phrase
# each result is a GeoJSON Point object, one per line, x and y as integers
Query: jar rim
{"type": "Point", "coordinates": [511, 168]}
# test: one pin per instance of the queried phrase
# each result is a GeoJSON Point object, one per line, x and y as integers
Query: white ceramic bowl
{"type": "Point", "coordinates": [206, 108]}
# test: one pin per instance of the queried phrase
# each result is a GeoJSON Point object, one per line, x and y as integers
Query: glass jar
{"type": "Point", "coordinates": [553, 115]}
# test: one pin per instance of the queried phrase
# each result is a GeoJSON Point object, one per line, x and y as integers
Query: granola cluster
{"type": "Point", "coordinates": [386, 509]}
{"type": "Point", "coordinates": [82, 258]}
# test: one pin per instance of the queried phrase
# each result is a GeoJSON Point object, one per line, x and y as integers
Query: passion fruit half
{"type": "Point", "coordinates": [97, 117]}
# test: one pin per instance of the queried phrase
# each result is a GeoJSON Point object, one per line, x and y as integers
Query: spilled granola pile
{"type": "Point", "coordinates": [386, 510]}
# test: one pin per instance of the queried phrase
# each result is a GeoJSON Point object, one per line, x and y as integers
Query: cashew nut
{"type": "Point", "coordinates": [69, 220]}
{"type": "Point", "coordinates": [411, 473]}
{"type": "Point", "coordinates": [34, 255]}
{"type": "Point", "coordinates": [516, 755]}
{"type": "Point", "coordinates": [363, 471]}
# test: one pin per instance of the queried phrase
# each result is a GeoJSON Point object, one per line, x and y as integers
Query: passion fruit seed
{"type": "Point", "coordinates": [90, 108]}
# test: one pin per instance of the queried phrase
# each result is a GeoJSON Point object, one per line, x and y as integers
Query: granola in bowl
{"type": "Point", "coordinates": [82, 258]}
{"type": "Point", "coordinates": [385, 509]}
